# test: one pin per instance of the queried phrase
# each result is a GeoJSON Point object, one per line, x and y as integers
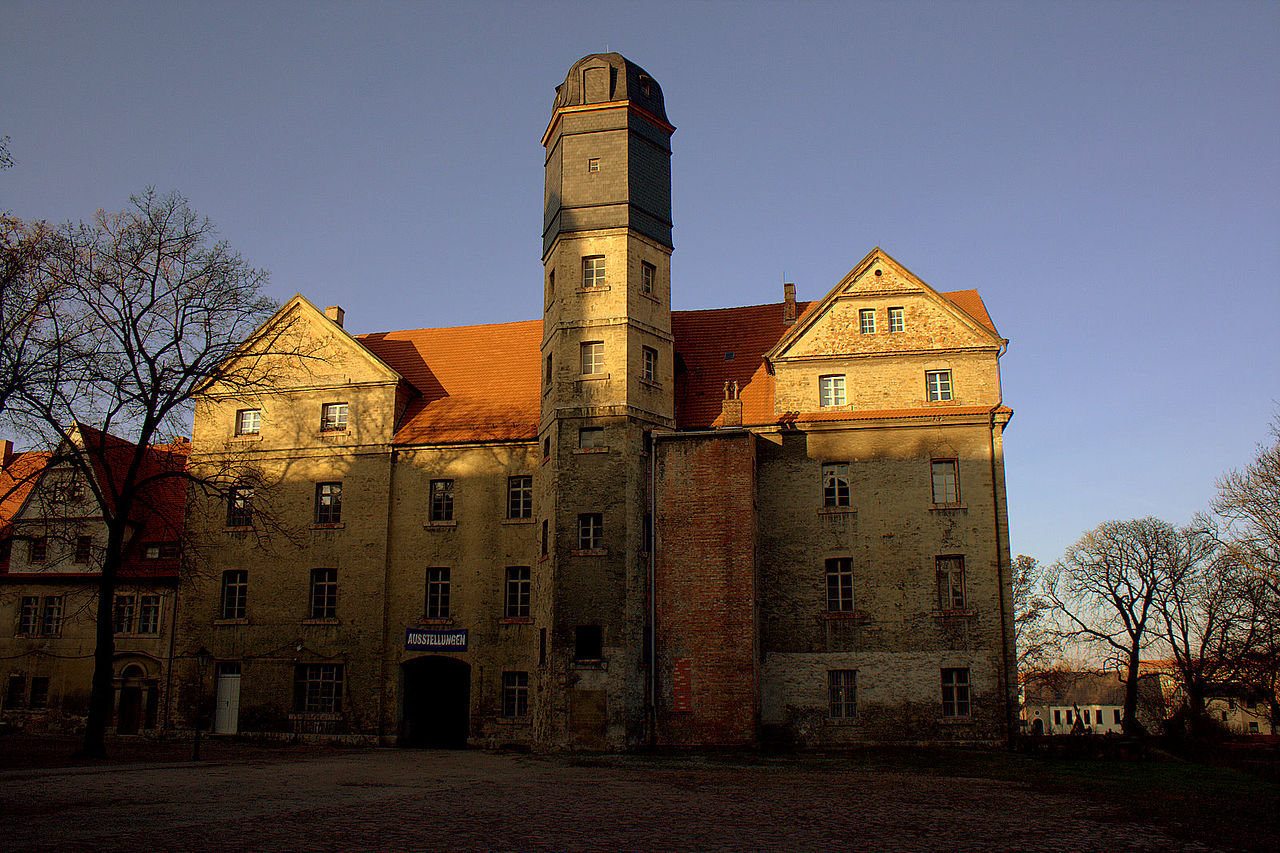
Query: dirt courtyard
{"type": "Point", "coordinates": [381, 799]}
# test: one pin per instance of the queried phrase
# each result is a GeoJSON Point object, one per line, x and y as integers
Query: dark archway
{"type": "Point", "coordinates": [436, 710]}
{"type": "Point", "coordinates": [129, 718]}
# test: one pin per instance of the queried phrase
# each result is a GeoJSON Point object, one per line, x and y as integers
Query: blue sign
{"type": "Point", "coordinates": [420, 638]}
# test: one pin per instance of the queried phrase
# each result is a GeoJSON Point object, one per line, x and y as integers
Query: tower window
{"type": "Point", "coordinates": [593, 271]}
{"type": "Point", "coordinates": [593, 164]}
{"type": "Point", "coordinates": [648, 272]}
{"type": "Point", "coordinates": [867, 320]}
{"type": "Point", "coordinates": [896, 321]}
{"type": "Point", "coordinates": [592, 358]}
{"type": "Point", "coordinates": [650, 364]}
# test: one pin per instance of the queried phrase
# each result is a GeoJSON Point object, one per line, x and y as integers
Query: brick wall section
{"type": "Point", "coordinates": [705, 574]}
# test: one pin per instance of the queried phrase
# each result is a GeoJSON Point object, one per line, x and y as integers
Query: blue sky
{"type": "Point", "coordinates": [1106, 174]}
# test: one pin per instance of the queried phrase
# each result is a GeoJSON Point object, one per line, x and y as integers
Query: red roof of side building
{"type": "Point", "coordinates": [483, 383]}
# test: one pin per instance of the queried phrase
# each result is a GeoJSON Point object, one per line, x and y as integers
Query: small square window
{"type": "Point", "coordinates": [328, 503]}
{"type": "Point", "coordinates": [937, 385]}
{"type": "Point", "coordinates": [593, 271]}
{"type": "Point", "coordinates": [333, 417]}
{"type": "Point", "coordinates": [590, 438]}
{"type": "Point", "coordinates": [648, 273]}
{"type": "Point", "coordinates": [840, 585]}
{"type": "Point", "coordinates": [590, 531]}
{"type": "Point", "coordinates": [518, 592]}
{"type": "Point", "coordinates": [950, 583]}
{"type": "Point", "coordinates": [831, 391]}
{"type": "Point", "coordinates": [441, 500]}
{"type": "Point", "coordinates": [437, 606]}
{"type": "Point", "coordinates": [649, 357]}
{"type": "Point", "coordinates": [592, 358]}
{"type": "Point", "coordinates": [248, 422]}
{"type": "Point", "coordinates": [867, 320]}
{"type": "Point", "coordinates": [151, 552]}
{"type": "Point", "coordinates": [955, 693]}
{"type": "Point", "coordinates": [842, 687]}
{"type": "Point", "coordinates": [588, 643]}
{"type": "Point", "coordinates": [835, 484]}
{"type": "Point", "coordinates": [896, 320]}
{"type": "Point", "coordinates": [946, 481]}
{"type": "Point", "coordinates": [515, 694]}
{"type": "Point", "coordinates": [520, 497]}
{"type": "Point", "coordinates": [593, 164]}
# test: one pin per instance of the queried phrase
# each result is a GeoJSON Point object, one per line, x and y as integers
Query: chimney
{"type": "Point", "coordinates": [789, 304]}
{"type": "Point", "coordinates": [731, 408]}
{"type": "Point", "coordinates": [335, 313]}
{"type": "Point", "coordinates": [6, 453]}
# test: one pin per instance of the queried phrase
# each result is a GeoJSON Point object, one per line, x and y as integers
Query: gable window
{"type": "Point", "coordinates": [317, 688]}
{"type": "Point", "coordinates": [520, 497]}
{"type": "Point", "coordinates": [518, 592]}
{"type": "Point", "coordinates": [84, 549]}
{"type": "Point", "coordinates": [593, 271]}
{"type": "Point", "coordinates": [235, 593]}
{"type": "Point", "coordinates": [160, 551]}
{"type": "Point", "coordinates": [867, 320]}
{"type": "Point", "coordinates": [648, 272]}
{"type": "Point", "coordinates": [590, 531]}
{"type": "Point", "coordinates": [950, 583]}
{"type": "Point", "coordinates": [123, 621]}
{"type": "Point", "coordinates": [937, 384]}
{"type": "Point", "coordinates": [946, 481]}
{"type": "Point", "coordinates": [897, 321]}
{"type": "Point", "coordinates": [590, 438]}
{"type": "Point", "coordinates": [39, 549]}
{"type": "Point", "coordinates": [328, 503]}
{"type": "Point", "coordinates": [333, 417]}
{"type": "Point", "coordinates": [955, 693]}
{"type": "Point", "coordinates": [649, 358]}
{"type": "Point", "coordinates": [515, 694]}
{"type": "Point", "coordinates": [149, 614]}
{"type": "Point", "coordinates": [592, 358]}
{"type": "Point", "coordinates": [442, 500]}
{"type": "Point", "coordinates": [324, 593]}
{"type": "Point", "coordinates": [842, 687]}
{"type": "Point", "coordinates": [840, 585]}
{"type": "Point", "coordinates": [248, 422]}
{"type": "Point", "coordinates": [835, 484]}
{"type": "Point", "coordinates": [831, 390]}
{"type": "Point", "coordinates": [437, 605]}
{"type": "Point", "coordinates": [51, 619]}
{"type": "Point", "coordinates": [240, 507]}
{"type": "Point", "coordinates": [29, 616]}
{"type": "Point", "coordinates": [588, 643]}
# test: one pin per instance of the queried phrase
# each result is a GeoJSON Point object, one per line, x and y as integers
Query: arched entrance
{"type": "Point", "coordinates": [436, 710]}
{"type": "Point", "coordinates": [129, 717]}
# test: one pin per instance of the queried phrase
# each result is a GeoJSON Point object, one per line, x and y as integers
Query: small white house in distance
{"type": "Point", "coordinates": [1054, 701]}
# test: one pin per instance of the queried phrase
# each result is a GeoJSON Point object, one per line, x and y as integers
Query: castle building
{"type": "Point", "coordinates": [620, 525]}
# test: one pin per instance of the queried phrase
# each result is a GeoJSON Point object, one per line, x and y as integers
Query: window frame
{"type": "Point", "coordinates": [249, 422]}
{"type": "Point", "coordinates": [831, 391]}
{"type": "Point", "coordinates": [51, 616]}
{"type": "Point", "coordinates": [317, 688]}
{"type": "Point", "coordinates": [587, 639]}
{"type": "Point", "coordinates": [240, 506]}
{"type": "Point", "coordinates": [590, 531]}
{"type": "Point", "coordinates": [649, 364]}
{"type": "Point", "coordinates": [949, 569]}
{"type": "Point", "coordinates": [323, 593]}
{"type": "Point", "coordinates": [593, 271]}
{"type": "Point", "coordinates": [29, 611]}
{"type": "Point", "coordinates": [517, 598]}
{"type": "Point", "coordinates": [938, 387]}
{"type": "Point", "coordinates": [840, 589]}
{"type": "Point", "coordinates": [334, 417]}
{"type": "Point", "coordinates": [436, 599]}
{"type": "Point", "coordinates": [440, 509]}
{"type": "Point", "coordinates": [648, 277]}
{"type": "Point", "coordinates": [84, 550]}
{"type": "Point", "coordinates": [520, 497]}
{"type": "Point", "coordinates": [591, 438]}
{"type": "Point", "coordinates": [329, 502]}
{"type": "Point", "coordinates": [515, 694]}
{"type": "Point", "coordinates": [842, 694]}
{"type": "Point", "coordinates": [234, 600]}
{"type": "Point", "coordinates": [591, 358]}
{"type": "Point", "coordinates": [39, 692]}
{"type": "Point", "coordinates": [123, 611]}
{"type": "Point", "coordinates": [38, 550]}
{"type": "Point", "coordinates": [957, 698]}
{"type": "Point", "coordinates": [867, 321]}
{"type": "Point", "coordinates": [952, 479]}
{"type": "Point", "coordinates": [149, 608]}
{"type": "Point", "coordinates": [897, 320]}
{"type": "Point", "coordinates": [836, 493]}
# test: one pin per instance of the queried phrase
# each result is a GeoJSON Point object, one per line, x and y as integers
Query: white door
{"type": "Point", "coordinates": [226, 714]}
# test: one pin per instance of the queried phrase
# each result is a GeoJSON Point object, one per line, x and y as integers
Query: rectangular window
{"type": "Point", "coordinates": [437, 606]}
{"type": "Point", "coordinates": [248, 422]}
{"type": "Point", "coordinates": [515, 694]}
{"type": "Point", "coordinates": [896, 320]}
{"type": "Point", "coordinates": [151, 552]}
{"type": "Point", "coordinates": [317, 688]}
{"type": "Point", "coordinates": [950, 583]}
{"type": "Point", "coordinates": [955, 693]}
{"type": "Point", "coordinates": [590, 437]}
{"type": "Point", "coordinates": [123, 617]}
{"type": "Point", "coordinates": [1057, 717]}
{"type": "Point", "coordinates": [39, 550]}
{"type": "Point", "coordinates": [551, 287]}
{"type": "Point", "coordinates": [937, 384]}
{"type": "Point", "coordinates": [149, 615]}
{"type": "Point", "coordinates": [51, 619]}
{"type": "Point", "coordinates": [588, 643]}
{"type": "Point", "coordinates": [946, 481]}
{"type": "Point", "coordinates": [545, 544]}
{"type": "Point", "coordinates": [240, 507]}
{"type": "Point", "coordinates": [519, 591]}
{"type": "Point", "coordinates": [592, 358]}
{"type": "Point", "coordinates": [593, 164]}
{"type": "Point", "coordinates": [830, 391]}
{"type": "Point", "coordinates": [649, 358]}
{"type": "Point", "coordinates": [328, 503]}
{"type": "Point", "coordinates": [84, 549]}
{"type": "Point", "coordinates": [520, 496]}
{"type": "Point", "coordinates": [1116, 715]}
{"type": "Point", "coordinates": [549, 373]}
{"type": "Point", "coordinates": [16, 692]}
{"type": "Point", "coordinates": [835, 484]}
{"type": "Point", "coordinates": [842, 687]}
{"type": "Point", "coordinates": [235, 593]}
{"type": "Point", "coordinates": [442, 500]}
{"type": "Point", "coordinates": [590, 531]}
{"type": "Point", "coordinates": [333, 417]}
{"type": "Point", "coordinates": [1253, 727]}
{"type": "Point", "coordinates": [593, 271]}
{"type": "Point", "coordinates": [40, 692]}
{"type": "Point", "coordinates": [29, 616]}
{"type": "Point", "coordinates": [840, 585]}
{"type": "Point", "coordinates": [867, 320]}
{"type": "Point", "coordinates": [324, 593]}
{"type": "Point", "coordinates": [648, 272]}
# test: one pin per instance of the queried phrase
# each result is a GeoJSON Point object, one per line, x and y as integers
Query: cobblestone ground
{"type": "Point", "coordinates": [464, 801]}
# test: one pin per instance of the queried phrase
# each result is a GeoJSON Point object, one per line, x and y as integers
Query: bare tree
{"type": "Point", "coordinates": [158, 307]}
{"type": "Point", "coordinates": [1037, 646]}
{"type": "Point", "coordinates": [1106, 590]}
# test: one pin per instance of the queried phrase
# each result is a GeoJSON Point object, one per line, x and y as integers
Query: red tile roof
{"type": "Point", "coordinates": [483, 383]}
